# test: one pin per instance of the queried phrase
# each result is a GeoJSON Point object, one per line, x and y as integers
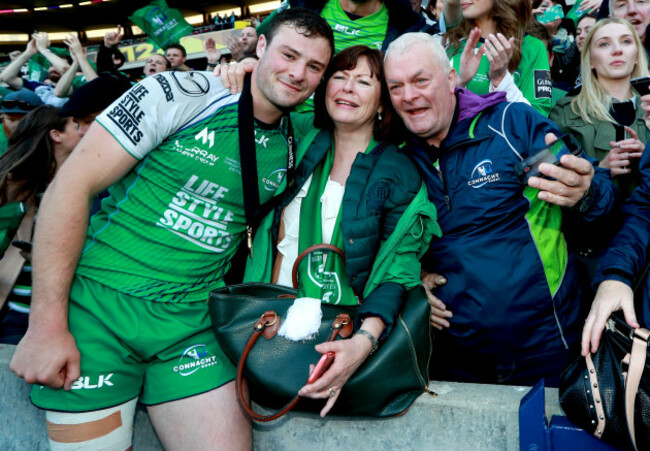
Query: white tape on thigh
{"type": "Point", "coordinates": [109, 429]}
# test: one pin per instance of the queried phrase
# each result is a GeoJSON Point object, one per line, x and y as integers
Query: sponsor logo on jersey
{"type": "Point", "coordinates": [200, 155]}
{"type": "Point", "coordinates": [233, 165]}
{"type": "Point", "coordinates": [85, 383]}
{"type": "Point", "coordinates": [194, 215]}
{"type": "Point", "coordinates": [127, 114]}
{"type": "Point", "coordinates": [166, 87]}
{"type": "Point", "coordinates": [261, 140]}
{"type": "Point", "coordinates": [193, 84]}
{"type": "Point", "coordinates": [482, 174]}
{"type": "Point", "coordinates": [346, 30]}
{"type": "Point", "coordinates": [193, 359]}
{"type": "Point", "coordinates": [543, 84]}
{"type": "Point", "coordinates": [273, 180]}
{"type": "Point", "coordinates": [206, 137]}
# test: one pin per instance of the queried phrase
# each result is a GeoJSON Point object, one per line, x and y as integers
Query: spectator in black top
{"type": "Point", "coordinates": [109, 57]}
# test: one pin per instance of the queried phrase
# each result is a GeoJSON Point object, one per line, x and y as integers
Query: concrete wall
{"type": "Point", "coordinates": [461, 417]}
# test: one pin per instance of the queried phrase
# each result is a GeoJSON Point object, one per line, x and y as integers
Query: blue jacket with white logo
{"type": "Point", "coordinates": [511, 284]}
{"type": "Point", "coordinates": [629, 251]}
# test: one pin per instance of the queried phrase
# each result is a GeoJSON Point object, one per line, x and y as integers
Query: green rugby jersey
{"type": "Point", "coordinates": [369, 30]}
{"type": "Point", "coordinates": [170, 226]}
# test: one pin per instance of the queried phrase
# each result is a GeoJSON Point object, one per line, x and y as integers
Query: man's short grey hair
{"type": "Point", "coordinates": [406, 41]}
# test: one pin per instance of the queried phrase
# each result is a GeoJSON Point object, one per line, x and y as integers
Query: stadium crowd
{"type": "Point", "coordinates": [419, 128]}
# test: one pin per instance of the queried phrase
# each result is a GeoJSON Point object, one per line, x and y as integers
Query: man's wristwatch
{"type": "Point", "coordinates": [368, 335]}
{"type": "Point", "coordinates": [585, 201]}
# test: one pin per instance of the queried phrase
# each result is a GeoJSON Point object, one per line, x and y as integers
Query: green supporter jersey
{"type": "Point", "coordinates": [369, 30]}
{"type": "Point", "coordinates": [532, 76]}
{"type": "Point", "coordinates": [170, 226]}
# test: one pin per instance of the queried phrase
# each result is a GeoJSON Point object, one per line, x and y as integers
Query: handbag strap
{"type": "Point", "coordinates": [635, 371]}
{"type": "Point", "coordinates": [598, 405]}
{"type": "Point", "coordinates": [268, 325]}
{"type": "Point", "coordinates": [309, 250]}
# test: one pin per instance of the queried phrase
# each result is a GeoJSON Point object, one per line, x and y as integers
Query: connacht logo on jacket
{"type": "Point", "coordinates": [482, 174]}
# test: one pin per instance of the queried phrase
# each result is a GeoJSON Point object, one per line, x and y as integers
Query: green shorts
{"type": "Point", "coordinates": [132, 348]}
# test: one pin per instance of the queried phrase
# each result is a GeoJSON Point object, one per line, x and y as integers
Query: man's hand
{"type": "Point", "coordinates": [212, 54]}
{"type": "Point", "coordinates": [572, 179]}
{"type": "Point", "coordinates": [236, 47]}
{"type": "Point", "coordinates": [233, 74]}
{"type": "Point", "coordinates": [439, 312]}
{"type": "Point", "coordinates": [47, 356]}
{"type": "Point", "coordinates": [112, 38]}
{"type": "Point", "coordinates": [31, 48]}
{"type": "Point", "coordinates": [76, 50]}
{"type": "Point", "coordinates": [611, 296]}
{"type": "Point", "coordinates": [619, 157]}
{"type": "Point", "coordinates": [42, 41]}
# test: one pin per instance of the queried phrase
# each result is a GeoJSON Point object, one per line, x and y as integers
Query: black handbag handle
{"type": "Point", "coordinates": [268, 325]}
{"type": "Point", "coordinates": [309, 250]}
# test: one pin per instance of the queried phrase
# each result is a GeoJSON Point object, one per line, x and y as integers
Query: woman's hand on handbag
{"type": "Point", "coordinates": [439, 313]}
{"type": "Point", "coordinates": [349, 355]}
{"type": "Point", "coordinates": [611, 296]}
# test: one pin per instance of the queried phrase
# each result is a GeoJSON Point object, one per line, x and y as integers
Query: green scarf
{"type": "Point", "coordinates": [325, 281]}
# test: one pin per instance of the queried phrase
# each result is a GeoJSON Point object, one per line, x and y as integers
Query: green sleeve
{"type": "Point", "coordinates": [397, 264]}
{"type": "Point", "coordinates": [398, 259]}
{"type": "Point", "coordinates": [534, 74]}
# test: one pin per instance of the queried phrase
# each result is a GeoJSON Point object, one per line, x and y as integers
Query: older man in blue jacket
{"type": "Point", "coordinates": [511, 283]}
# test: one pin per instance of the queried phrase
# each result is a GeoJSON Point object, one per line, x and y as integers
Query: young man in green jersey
{"type": "Point", "coordinates": [118, 310]}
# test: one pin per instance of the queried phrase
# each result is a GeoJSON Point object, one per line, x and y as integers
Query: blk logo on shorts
{"type": "Point", "coordinates": [84, 382]}
{"type": "Point", "coordinates": [194, 358]}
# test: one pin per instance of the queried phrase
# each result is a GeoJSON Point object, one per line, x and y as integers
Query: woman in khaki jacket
{"type": "Point", "coordinates": [606, 116]}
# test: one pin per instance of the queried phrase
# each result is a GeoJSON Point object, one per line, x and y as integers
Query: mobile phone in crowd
{"type": "Point", "coordinates": [323, 364]}
{"type": "Point", "coordinates": [566, 144]}
{"type": "Point", "coordinates": [424, 5]}
{"type": "Point", "coordinates": [550, 14]}
{"type": "Point", "coordinates": [641, 84]}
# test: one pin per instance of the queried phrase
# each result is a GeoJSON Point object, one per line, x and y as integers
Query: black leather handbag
{"type": "Point", "coordinates": [386, 384]}
{"type": "Point", "coordinates": [608, 393]}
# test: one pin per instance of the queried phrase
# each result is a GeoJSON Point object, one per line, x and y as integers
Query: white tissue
{"type": "Point", "coordinates": [303, 319]}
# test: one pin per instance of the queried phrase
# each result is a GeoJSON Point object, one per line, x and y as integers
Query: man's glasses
{"type": "Point", "coordinates": [20, 104]}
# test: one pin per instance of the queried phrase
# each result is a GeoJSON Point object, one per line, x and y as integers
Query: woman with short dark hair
{"type": "Point", "coordinates": [357, 191]}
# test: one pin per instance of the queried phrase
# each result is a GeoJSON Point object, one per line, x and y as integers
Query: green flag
{"type": "Point", "coordinates": [161, 23]}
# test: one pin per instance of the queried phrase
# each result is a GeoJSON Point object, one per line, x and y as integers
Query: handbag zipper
{"type": "Point", "coordinates": [425, 384]}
